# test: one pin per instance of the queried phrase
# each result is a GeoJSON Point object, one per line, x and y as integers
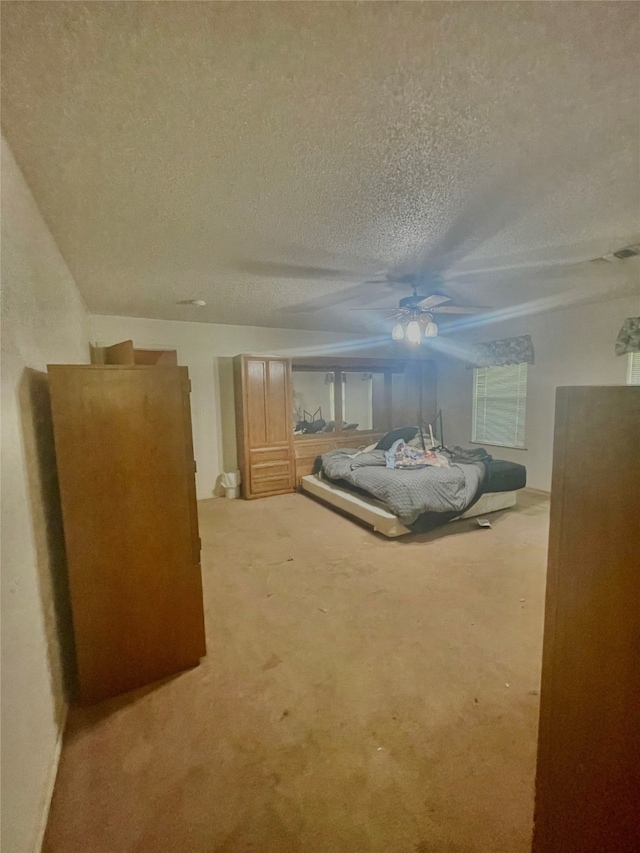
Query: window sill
{"type": "Point", "coordinates": [490, 444]}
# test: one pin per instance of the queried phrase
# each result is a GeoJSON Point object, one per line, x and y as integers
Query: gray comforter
{"type": "Point", "coordinates": [406, 493]}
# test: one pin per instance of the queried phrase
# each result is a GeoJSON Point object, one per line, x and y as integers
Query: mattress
{"type": "Point", "coordinates": [504, 476]}
{"type": "Point", "coordinates": [374, 513]}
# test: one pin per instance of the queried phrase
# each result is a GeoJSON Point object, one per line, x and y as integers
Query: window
{"type": "Point", "coordinates": [499, 405]}
{"type": "Point", "coordinates": [633, 370]}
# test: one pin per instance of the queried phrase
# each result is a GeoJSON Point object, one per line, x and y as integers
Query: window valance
{"type": "Point", "coordinates": [500, 353]}
{"type": "Point", "coordinates": [628, 339]}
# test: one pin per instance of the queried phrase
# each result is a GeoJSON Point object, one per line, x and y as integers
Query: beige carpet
{"type": "Point", "coordinates": [359, 694]}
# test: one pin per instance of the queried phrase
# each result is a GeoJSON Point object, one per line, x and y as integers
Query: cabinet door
{"type": "Point", "coordinates": [279, 417]}
{"type": "Point", "coordinates": [126, 475]}
{"type": "Point", "coordinates": [588, 782]}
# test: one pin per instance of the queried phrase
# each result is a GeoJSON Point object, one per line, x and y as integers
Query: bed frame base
{"type": "Point", "coordinates": [374, 514]}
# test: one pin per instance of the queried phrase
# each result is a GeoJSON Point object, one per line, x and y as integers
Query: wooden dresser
{"type": "Point", "coordinates": [588, 780]}
{"type": "Point", "coordinates": [126, 471]}
{"type": "Point", "coordinates": [264, 425]}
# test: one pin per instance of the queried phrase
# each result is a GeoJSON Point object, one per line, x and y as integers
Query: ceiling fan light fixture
{"type": "Point", "coordinates": [431, 330]}
{"type": "Point", "coordinates": [414, 332]}
{"type": "Point", "coordinates": [398, 332]}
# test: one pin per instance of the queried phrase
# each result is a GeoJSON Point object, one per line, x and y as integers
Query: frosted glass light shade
{"type": "Point", "coordinates": [413, 332]}
{"type": "Point", "coordinates": [398, 332]}
{"type": "Point", "coordinates": [431, 330]}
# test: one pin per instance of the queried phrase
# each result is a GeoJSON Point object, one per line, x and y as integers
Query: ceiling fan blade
{"type": "Point", "coordinates": [278, 270]}
{"type": "Point", "coordinates": [433, 300]}
{"type": "Point", "coordinates": [338, 297]}
{"type": "Point", "coordinates": [459, 309]}
{"type": "Point", "coordinates": [484, 215]}
{"type": "Point", "coordinates": [496, 267]}
{"type": "Point", "coordinates": [383, 319]}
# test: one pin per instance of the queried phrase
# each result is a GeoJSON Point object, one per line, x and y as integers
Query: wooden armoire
{"type": "Point", "coordinates": [126, 471]}
{"type": "Point", "coordinates": [588, 773]}
{"type": "Point", "coordinates": [263, 425]}
{"type": "Point", "coordinates": [271, 458]}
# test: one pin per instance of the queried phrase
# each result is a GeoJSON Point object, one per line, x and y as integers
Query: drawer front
{"type": "Point", "coordinates": [272, 486]}
{"type": "Point", "coordinates": [275, 483]}
{"type": "Point", "coordinates": [305, 449]}
{"type": "Point", "coordinates": [271, 477]}
{"type": "Point", "coordinates": [269, 470]}
{"type": "Point", "coordinates": [261, 455]}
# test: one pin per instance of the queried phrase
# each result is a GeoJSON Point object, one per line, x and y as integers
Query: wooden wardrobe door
{"type": "Point", "coordinates": [256, 395]}
{"type": "Point", "coordinates": [588, 774]}
{"type": "Point", "coordinates": [126, 474]}
{"type": "Point", "coordinates": [279, 419]}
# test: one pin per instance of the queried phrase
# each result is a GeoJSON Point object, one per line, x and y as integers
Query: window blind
{"type": "Point", "coordinates": [499, 405]}
{"type": "Point", "coordinates": [633, 371]}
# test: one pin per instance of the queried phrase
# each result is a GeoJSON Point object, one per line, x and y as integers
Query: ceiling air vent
{"type": "Point", "coordinates": [621, 254]}
{"type": "Point", "coordinates": [628, 252]}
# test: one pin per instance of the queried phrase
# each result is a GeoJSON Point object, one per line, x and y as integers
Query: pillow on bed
{"type": "Point", "coordinates": [405, 433]}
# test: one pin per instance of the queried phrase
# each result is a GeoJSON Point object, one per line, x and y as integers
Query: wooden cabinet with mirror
{"type": "Point", "coordinates": [327, 403]}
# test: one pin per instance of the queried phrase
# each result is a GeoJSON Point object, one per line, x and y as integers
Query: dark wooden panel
{"type": "Point", "coordinates": [126, 483]}
{"type": "Point", "coordinates": [588, 775]}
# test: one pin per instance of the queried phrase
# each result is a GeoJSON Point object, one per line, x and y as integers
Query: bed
{"type": "Point", "coordinates": [395, 502]}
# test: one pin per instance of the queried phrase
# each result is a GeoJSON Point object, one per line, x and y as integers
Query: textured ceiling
{"type": "Point", "coordinates": [173, 148]}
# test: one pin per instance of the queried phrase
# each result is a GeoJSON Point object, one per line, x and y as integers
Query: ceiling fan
{"type": "Point", "coordinates": [414, 315]}
{"type": "Point", "coordinates": [430, 270]}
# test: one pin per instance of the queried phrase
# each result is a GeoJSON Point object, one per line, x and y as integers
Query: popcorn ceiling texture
{"type": "Point", "coordinates": [168, 144]}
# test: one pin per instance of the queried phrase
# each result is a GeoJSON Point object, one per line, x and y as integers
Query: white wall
{"type": "Point", "coordinates": [207, 350]}
{"type": "Point", "coordinates": [43, 320]}
{"type": "Point", "coordinates": [573, 346]}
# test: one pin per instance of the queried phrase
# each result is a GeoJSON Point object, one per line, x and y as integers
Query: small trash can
{"type": "Point", "coordinates": [231, 483]}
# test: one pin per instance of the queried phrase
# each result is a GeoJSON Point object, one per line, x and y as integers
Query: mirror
{"type": "Point", "coordinates": [313, 401]}
{"type": "Point", "coordinates": [357, 400]}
